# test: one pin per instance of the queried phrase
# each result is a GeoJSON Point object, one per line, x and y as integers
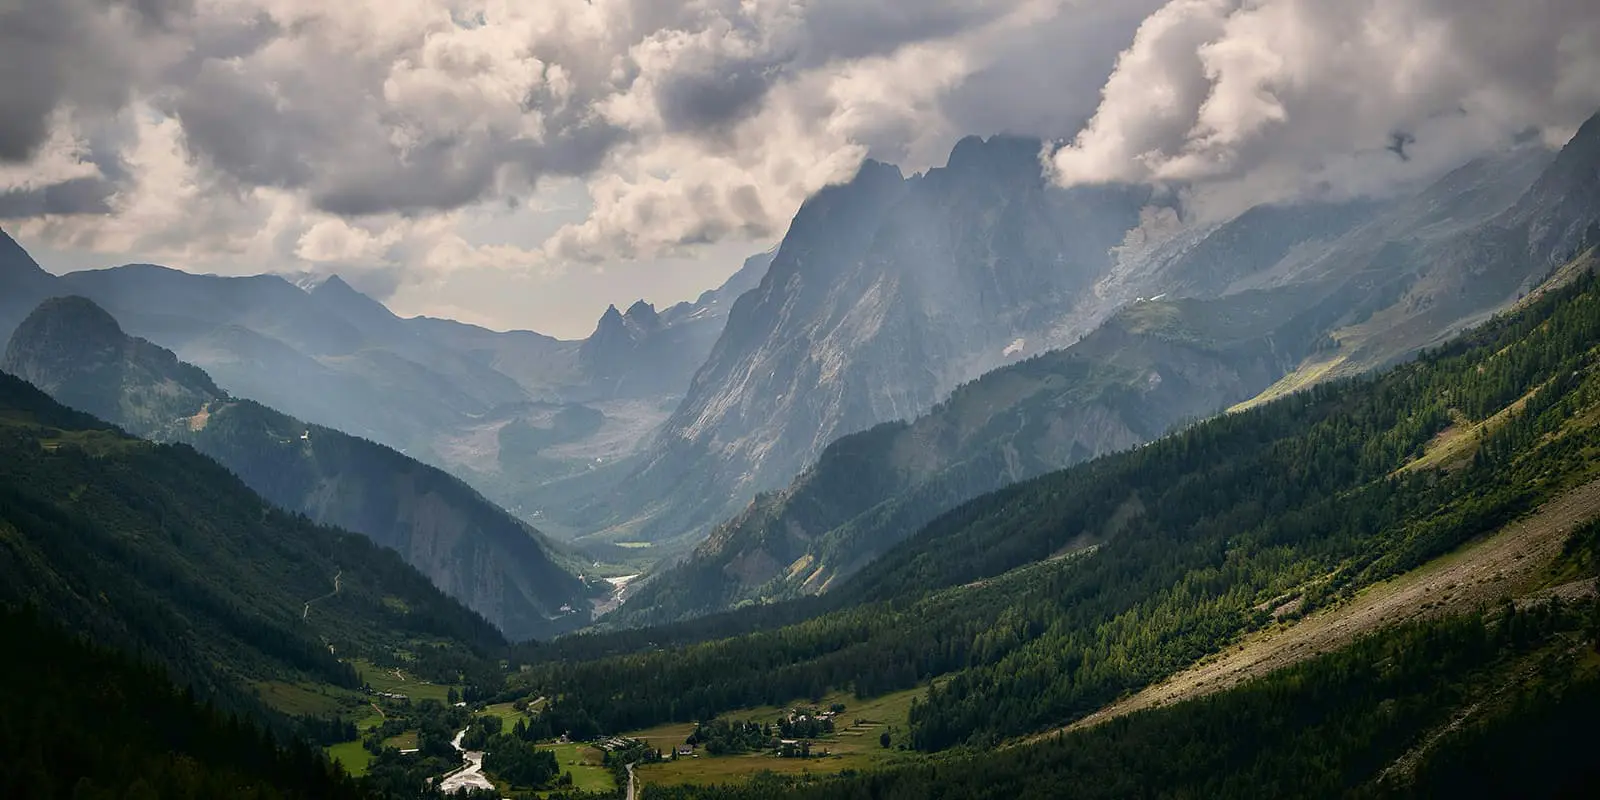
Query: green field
{"type": "Point", "coordinates": [305, 698]}
{"type": "Point", "coordinates": [508, 715]}
{"type": "Point", "coordinates": [586, 765]}
{"type": "Point", "coordinates": [851, 747]}
{"type": "Point", "coordinates": [353, 756]}
{"type": "Point", "coordinates": [400, 682]}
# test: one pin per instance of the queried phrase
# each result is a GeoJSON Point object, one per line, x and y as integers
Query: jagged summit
{"type": "Point", "coordinates": [1014, 156]}
{"type": "Point", "coordinates": [643, 315]}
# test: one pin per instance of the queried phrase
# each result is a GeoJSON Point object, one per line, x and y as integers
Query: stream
{"type": "Point", "coordinates": [469, 776]}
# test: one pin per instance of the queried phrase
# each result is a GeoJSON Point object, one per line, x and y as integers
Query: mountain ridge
{"type": "Point", "coordinates": [470, 548]}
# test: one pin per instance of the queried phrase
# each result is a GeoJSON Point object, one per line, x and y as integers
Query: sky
{"type": "Point", "coordinates": [525, 164]}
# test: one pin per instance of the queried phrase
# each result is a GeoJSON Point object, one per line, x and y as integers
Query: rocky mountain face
{"type": "Point", "coordinates": [885, 294]}
{"type": "Point", "coordinates": [1274, 300]}
{"type": "Point", "coordinates": [471, 549]}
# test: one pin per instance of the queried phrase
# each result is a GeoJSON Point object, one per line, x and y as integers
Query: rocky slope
{"type": "Point", "coordinates": [885, 294]}
{"type": "Point", "coordinates": [471, 549]}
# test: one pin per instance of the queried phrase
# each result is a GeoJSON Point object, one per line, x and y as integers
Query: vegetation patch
{"type": "Point", "coordinates": [352, 756]}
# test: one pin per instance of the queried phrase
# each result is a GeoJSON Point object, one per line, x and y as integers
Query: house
{"type": "Point", "coordinates": [685, 750]}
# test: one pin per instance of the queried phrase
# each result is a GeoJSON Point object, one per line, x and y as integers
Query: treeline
{"type": "Point", "coordinates": [1197, 535]}
{"type": "Point", "coordinates": [1334, 726]}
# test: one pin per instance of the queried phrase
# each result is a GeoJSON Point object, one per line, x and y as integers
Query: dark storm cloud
{"type": "Point", "coordinates": [76, 196]}
{"type": "Point", "coordinates": [233, 122]}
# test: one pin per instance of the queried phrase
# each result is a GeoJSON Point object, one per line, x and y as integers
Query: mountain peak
{"type": "Point", "coordinates": [75, 350]}
{"type": "Point", "coordinates": [334, 283]}
{"type": "Point", "coordinates": [15, 263]}
{"type": "Point", "coordinates": [610, 320]}
{"type": "Point", "coordinates": [72, 316]}
{"type": "Point", "coordinates": [1011, 157]}
{"type": "Point", "coordinates": [643, 315]}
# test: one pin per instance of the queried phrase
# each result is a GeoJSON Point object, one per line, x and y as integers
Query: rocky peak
{"type": "Point", "coordinates": [999, 158]}
{"type": "Point", "coordinates": [642, 316]}
{"type": "Point", "coordinates": [76, 351]}
{"type": "Point", "coordinates": [1562, 208]}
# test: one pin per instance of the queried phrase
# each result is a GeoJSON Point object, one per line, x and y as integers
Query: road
{"type": "Point", "coordinates": [306, 612]}
{"type": "Point", "coordinates": [469, 776]}
{"type": "Point", "coordinates": [633, 785]}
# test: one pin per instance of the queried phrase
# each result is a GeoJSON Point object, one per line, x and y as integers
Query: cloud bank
{"type": "Point", "coordinates": [1237, 103]}
{"type": "Point", "coordinates": [391, 134]}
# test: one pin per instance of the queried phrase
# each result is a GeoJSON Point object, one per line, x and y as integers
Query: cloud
{"type": "Point", "coordinates": [1238, 103]}
{"type": "Point", "coordinates": [248, 135]}
{"type": "Point", "coordinates": [688, 123]}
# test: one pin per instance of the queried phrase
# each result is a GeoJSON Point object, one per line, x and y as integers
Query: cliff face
{"type": "Point", "coordinates": [886, 293]}
{"type": "Point", "coordinates": [465, 545]}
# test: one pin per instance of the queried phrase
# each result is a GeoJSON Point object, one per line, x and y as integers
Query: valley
{"type": "Point", "coordinates": [1013, 465]}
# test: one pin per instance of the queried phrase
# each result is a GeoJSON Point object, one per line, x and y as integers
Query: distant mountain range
{"type": "Point", "coordinates": [468, 547]}
{"type": "Point", "coordinates": [452, 395]}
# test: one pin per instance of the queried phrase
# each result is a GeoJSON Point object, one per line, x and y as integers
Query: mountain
{"type": "Point", "coordinates": [1457, 488]}
{"type": "Point", "coordinates": [440, 391]}
{"type": "Point", "coordinates": [158, 550]}
{"type": "Point", "coordinates": [885, 293]}
{"type": "Point", "coordinates": [24, 284]}
{"type": "Point", "coordinates": [1150, 367]}
{"type": "Point", "coordinates": [1272, 301]}
{"type": "Point", "coordinates": [471, 549]}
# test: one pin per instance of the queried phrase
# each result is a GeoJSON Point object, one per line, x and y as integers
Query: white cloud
{"type": "Point", "coordinates": [1244, 102]}
{"type": "Point", "coordinates": [388, 135]}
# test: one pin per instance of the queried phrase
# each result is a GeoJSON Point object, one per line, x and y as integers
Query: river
{"type": "Point", "coordinates": [469, 776]}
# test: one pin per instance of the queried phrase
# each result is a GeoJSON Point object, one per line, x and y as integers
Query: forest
{"type": "Point", "coordinates": [1525, 684]}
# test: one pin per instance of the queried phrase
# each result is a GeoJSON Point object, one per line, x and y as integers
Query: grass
{"type": "Point", "coordinates": [587, 767]}
{"type": "Point", "coordinates": [299, 699]}
{"type": "Point", "coordinates": [507, 714]}
{"type": "Point", "coordinates": [405, 741]}
{"type": "Point", "coordinates": [387, 680]}
{"type": "Point", "coordinates": [851, 747]}
{"type": "Point", "coordinates": [353, 756]}
{"type": "Point", "coordinates": [1314, 370]}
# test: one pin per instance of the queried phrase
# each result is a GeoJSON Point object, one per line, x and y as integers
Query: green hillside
{"type": "Point", "coordinates": [94, 724]}
{"type": "Point", "coordinates": [470, 548]}
{"type": "Point", "coordinates": [158, 550]}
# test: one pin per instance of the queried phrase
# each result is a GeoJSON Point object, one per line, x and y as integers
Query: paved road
{"type": "Point", "coordinates": [633, 785]}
